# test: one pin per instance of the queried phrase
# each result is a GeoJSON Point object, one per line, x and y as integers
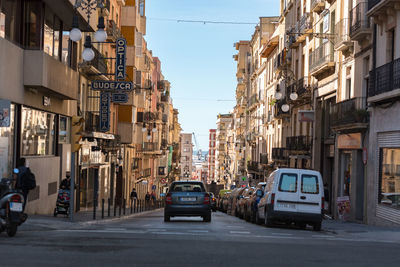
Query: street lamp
{"type": "Point", "coordinates": [75, 34]}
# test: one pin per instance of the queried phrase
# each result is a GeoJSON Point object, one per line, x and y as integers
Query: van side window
{"type": "Point", "coordinates": [309, 184]}
{"type": "Point", "coordinates": [288, 182]}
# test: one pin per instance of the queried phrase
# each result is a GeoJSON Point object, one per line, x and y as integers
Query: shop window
{"type": "Point", "coordinates": [64, 130]}
{"type": "Point", "coordinates": [37, 133]}
{"type": "Point", "coordinates": [389, 194]}
{"type": "Point", "coordinates": [6, 140]}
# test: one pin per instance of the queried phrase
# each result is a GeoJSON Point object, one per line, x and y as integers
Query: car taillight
{"type": "Point", "coordinates": [15, 198]}
{"type": "Point", "coordinates": [168, 199]}
{"type": "Point", "coordinates": [272, 198]}
{"type": "Point", "coordinates": [213, 199]}
{"type": "Point", "coordinates": [206, 199]}
{"type": "Point", "coordinates": [322, 203]}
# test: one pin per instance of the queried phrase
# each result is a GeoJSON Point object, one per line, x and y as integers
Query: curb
{"type": "Point", "coordinates": [100, 221]}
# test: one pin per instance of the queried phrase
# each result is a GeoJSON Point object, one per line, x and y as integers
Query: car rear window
{"type": "Point", "coordinates": [187, 187]}
{"type": "Point", "coordinates": [309, 184]}
{"type": "Point", "coordinates": [288, 182]}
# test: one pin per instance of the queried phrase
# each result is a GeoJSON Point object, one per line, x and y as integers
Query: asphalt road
{"type": "Point", "coordinates": [227, 241]}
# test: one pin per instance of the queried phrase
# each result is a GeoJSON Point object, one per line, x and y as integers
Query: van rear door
{"type": "Point", "coordinates": [287, 193]}
{"type": "Point", "coordinates": [310, 193]}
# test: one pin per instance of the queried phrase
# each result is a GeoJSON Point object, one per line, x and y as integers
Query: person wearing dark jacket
{"type": "Point", "coordinates": [20, 180]}
{"type": "Point", "coordinates": [66, 183]}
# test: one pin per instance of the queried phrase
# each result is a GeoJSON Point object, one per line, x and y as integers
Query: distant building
{"type": "Point", "coordinates": [186, 155]}
{"type": "Point", "coordinates": [211, 155]}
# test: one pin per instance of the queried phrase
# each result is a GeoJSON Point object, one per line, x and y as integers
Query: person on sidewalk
{"type": "Point", "coordinates": [22, 180]}
{"type": "Point", "coordinates": [147, 198]}
{"type": "Point", "coordinates": [66, 183]}
{"type": "Point", "coordinates": [133, 197]}
{"type": "Point", "coordinates": [153, 198]}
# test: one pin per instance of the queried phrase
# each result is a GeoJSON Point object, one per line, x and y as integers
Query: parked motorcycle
{"type": "Point", "coordinates": [11, 206]}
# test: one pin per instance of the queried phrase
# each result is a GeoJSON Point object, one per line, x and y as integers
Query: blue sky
{"type": "Point", "coordinates": [197, 58]}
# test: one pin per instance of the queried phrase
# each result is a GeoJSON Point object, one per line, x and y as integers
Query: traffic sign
{"type": "Point", "coordinates": [105, 98]}
{"type": "Point", "coordinates": [120, 86]}
{"type": "Point", "coordinates": [119, 97]}
{"type": "Point", "coordinates": [153, 187]}
{"type": "Point", "coordinates": [120, 61]}
{"type": "Point", "coordinates": [163, 181]}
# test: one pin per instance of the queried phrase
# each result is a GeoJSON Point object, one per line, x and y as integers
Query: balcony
{"type": "Point", "coordinates": [279, 154]}
{"type": "Point", "coordinates": [360, 26]}
{"type": "Point", "coordinates": [113, 31]}
{"type": "Point", "coordinates": [304, 26]}
{"type": "Point", "coordinates": [303, 88]}
{"type": "Point", "coordinates": [280, 61]}
{"type": "Point", "coordinates": [146, 173]}
{"type": "Point", "coordinates": [342, 39]}
{"type": "Point", "coordinates": [164, 98]}
{"type": "Point", "coordinates": [317, 6]}
{"type": "Point", "coordinates": [96, 66]}
{"type": "Point", "coordinates": [253, 101]}
{"type": "Point", "coordinates": [252, 166]}
{"type": "Point", "coordinates": [149, 147]}
{"type": "Point", "coordinates": [43, 72]}
{"type": "Point", "coordinates": [381, 8]}
{"type": "Point", "coordinates": [92, 122]}
{"type": "Point", "coordinates": [322, 60]}
{"type": "Point", "coordinates": [384, 82]}
{"type": "Point", "coordinates": [300, 143]}
{"type": "Point", "coordinates": [349, 114]}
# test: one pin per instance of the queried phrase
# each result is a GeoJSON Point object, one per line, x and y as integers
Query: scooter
{"type": "Point", "coordinates": [11, 206]}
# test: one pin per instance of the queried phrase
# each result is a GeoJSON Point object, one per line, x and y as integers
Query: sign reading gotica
{"type": "Point", "coordinates": [105, 98]}
{"type": "Point", "coordinates": [112, 86]}
{"type": "Point", "coordinates": [120, 61]}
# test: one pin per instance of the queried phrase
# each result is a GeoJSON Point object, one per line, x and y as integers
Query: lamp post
{"type": "Point", "coordinates": [88, 6]}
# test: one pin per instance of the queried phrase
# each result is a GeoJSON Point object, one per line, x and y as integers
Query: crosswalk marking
{"type": "Point", "coordinates": [239, 232]}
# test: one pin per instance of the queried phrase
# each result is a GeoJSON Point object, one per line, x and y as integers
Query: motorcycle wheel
{"type": "Point", "coordinates": [11, 229]}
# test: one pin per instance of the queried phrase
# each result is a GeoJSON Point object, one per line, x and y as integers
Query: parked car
{"type": "Point", "coordinates": [225, 201]}
{"type": "Point", "coordinates": [187, 198]}
{"type": "Point", "coordinates": [252, 202]}
{"type": "Point", "coordinates": [242, 202]}
{"type": "Point", "coordinates": [234, 197]}
{"type": "Point", "coordinates": [213, 201]}
{"type": "Point", "coordinates": [292, 195]}
{"type": "Point", "coordinates": [221, 196]}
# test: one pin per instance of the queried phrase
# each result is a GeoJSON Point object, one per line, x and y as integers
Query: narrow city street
{"type": "Point", "coordinates": [145, 240]}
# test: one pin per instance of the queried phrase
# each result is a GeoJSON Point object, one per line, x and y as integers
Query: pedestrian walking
{"type": "Point", "coordinates": [147, 198]}
{"type": "Point", "coordinates": [153, 198]}
{"type": "Point", "coordinates": [25, 180]}
{"type": "Point", "coordinates": [133, 197]}
{"type": "Point", "coordinates": [66, 183]}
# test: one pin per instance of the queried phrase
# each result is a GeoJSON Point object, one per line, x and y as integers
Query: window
{"type": "Point", "coordinates": [7, 140]}
{"type": "Point", "coordinates": [33, 24]}
{"type": "Point", "coordinates": [141, 7]}
{"type": "Point", "coordinates": [389, 194]}
{"type": "Point", "coordinates": [64, 130]}
{"type": "Point", "coordinates": [37, 133]}
{"type": "Point", "coordinates": [187, 187]}
{"type": "Point", "coordinates": [309, 184]}
{"type": "Point", "coordinates": [288, 183]}
{"type": "Point", "coordinates": [10, 20]}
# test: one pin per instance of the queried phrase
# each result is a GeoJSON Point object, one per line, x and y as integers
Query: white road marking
{"type": "Point", "coordinates": [174, 233]}
{"type": "Point", "coordinates": [239, 232]}
{"type": "Point", "coordinates": [156, 230]}
{"type": "Point", "coordinates": [321, 236]}
{"type": "Point", "coordinates": [234, 226]}
{"type": "Point", "coordinates": [279, 237]}
{"type": "Point", "coordinates": [115, 229]}
{"type": "Point", "coordinates": [283, 234]}
{"type": "Point", "coordinates": [198, 231]}
{"type": "Point", "coordinates": [104, 231]}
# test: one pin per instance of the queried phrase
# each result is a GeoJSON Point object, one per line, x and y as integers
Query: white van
{"type": "Point", "coordinates": [292, 195]}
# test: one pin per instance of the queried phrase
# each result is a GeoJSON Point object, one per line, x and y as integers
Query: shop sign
{"type": "Point", "coordinates": [343, 207]}
{"type": "Point", "coordinates": [121, 86]}
{"type": "Point", "coordinates": [119, 97]}
{"type": "Point", "coordinates": [5, 106]}
{"type": "Point", "coordinates": [105, 111]}
{"type": "Point", "coordinates": [306, 115]}
{"type": "Point", "coordinates": [349, 141]}
{"type": "Point", "coordinates": [120, 61]}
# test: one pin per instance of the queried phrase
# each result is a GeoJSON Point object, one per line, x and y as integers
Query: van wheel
{"type": "Point", "coordinates": [317, 226]}
{"type": "Point", "coordinates": [267, 221]}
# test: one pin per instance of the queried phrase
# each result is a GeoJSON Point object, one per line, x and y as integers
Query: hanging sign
{"type": "Point", "coordinates": [119, 97]}
{"type": "Point", "coordinates": [112, 86]}
{"type": "Point", "coordinates": [120, 61]}
{"type": "Point", "coordinates": [105, 98]}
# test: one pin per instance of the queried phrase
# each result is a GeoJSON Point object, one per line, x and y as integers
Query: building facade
{"type": "Point", "coordinates": [211, 155]}
{"type": "Point", "coordinates": [186, 162]}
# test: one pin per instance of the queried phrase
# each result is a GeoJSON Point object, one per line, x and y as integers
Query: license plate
{"type": "Point", "coordinates": [15, 206]}
{"type": "Point", "coordinates": [287, 206]}
{"type": "Point", "coordinates": [188, 199]}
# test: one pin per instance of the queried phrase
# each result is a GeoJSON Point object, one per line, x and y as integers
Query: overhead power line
{"type": "Point", "coordinates": [204, 21]}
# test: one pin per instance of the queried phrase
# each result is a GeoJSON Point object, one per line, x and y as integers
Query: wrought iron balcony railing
{"type": "Point", "coordinates": [384, 78]}
{"type": "Point", "coordinates": [342, 37]}
{"type": "Point", "coordinates": [279, 153]}
{"type": "Point", "coordinates": [113, 31]}
{"type": "Point", "coordinates": [148, 147]}
{"type": "Point", "coordinates": [299, 143]}
{"type": "Point", "coordinates": [359, 21]}
{"type": "Point", "coordinates": [349, 112]}
{"type": "Point", "coordinates": [92, 122]}
{"type": "Point", "coordinates": [321, 56]}
{"type": "Point", "coordinates": [317, 6]}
